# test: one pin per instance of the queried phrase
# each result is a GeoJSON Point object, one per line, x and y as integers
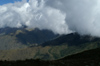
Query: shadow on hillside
{"type": "Point", "coordinates": [71, 39]}
{"type": "Point", "coordinates": [35, 36]}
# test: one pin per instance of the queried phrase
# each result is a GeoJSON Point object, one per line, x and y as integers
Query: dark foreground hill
{"type": "Point", "coordinates": [86, 58]}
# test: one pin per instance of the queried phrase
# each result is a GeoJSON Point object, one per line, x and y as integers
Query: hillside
{"type": "Point", "coordinates": [72, 39]}
{"type": "Point", "coordinates": [16, 38]}
{"type": "Point", "coordinates": [55, 48]}
{"type": "Point", "coordinates": [86, 58]}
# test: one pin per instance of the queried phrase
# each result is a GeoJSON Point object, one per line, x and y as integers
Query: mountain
{"type": "Point", "coordinates": [86, 58]}
{"type": "Point", "coordinates": [73, 39]}
{"type": "Point", "coordinates": [16, 38]}
{"type": "Point", "coordinates": [56, 47]}
{"type": "Point", "coordinates": [35, 36]}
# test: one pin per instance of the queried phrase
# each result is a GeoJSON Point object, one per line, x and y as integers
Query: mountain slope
{"type": "Point", "coordinates": [71, 39]}
{"type": "Point", "coordinates": [23, 43]}
{"type": "Point", "coordinates": [35, 36]}
{"type": "Point", "coordinates": [16, 38]}
{"type": "Point", "coordinates": [86, 58]}
{"type": "Point", "coordinates": [57, 48]}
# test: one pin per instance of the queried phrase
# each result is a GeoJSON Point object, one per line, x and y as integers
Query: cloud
{"type": "Point", "coordinates": [82, 16]}
{"type": "Point", "coordinates": [60, 16]}
{"type": "Point", "coordinates": [33, 14]}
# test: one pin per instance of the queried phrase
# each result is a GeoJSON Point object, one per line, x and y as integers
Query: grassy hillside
{"type": "Point", "coordinates": [21, 44]}
{"type": "Point", "coordinates": [86, 58]}
{"type": "Point", "coordinates": [10, 42]}
{"type": "Point", "coordinates": [16, 38]}
{"type": "Point", "coordinates": [46, 53]}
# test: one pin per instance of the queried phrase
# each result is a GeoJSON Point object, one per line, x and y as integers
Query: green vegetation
{"type": "Point", "coordinates": [16, 38]}
{"type": "Point", "coordinates": [46, 53]}
{"type": "Point", "coordinates": [86, 58]}
{"type": "Point", "coordinates": [21, 44]}
{"type": "Point", "coordinates": [10, 42]}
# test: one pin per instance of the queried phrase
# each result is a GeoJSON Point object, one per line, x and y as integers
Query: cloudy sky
{"type": "Point", "coordinates": [60, 16]}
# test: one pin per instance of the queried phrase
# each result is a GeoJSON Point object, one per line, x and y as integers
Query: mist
{"type": "Point", "coordinates": [59, 16]}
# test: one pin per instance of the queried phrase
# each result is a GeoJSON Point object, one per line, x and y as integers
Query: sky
{"type": "Point", "coordinates": [7, 1]}
{"type": "Point", "coordinates": [59, 16]}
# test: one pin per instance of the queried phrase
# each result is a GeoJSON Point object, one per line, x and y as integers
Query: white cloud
{"type": "Point", "coordinates": [82, 16]}
{"type": "Point", "coordinates": [60, 16]}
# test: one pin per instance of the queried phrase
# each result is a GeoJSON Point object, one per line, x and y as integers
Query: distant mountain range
{"type": "Point", "coordinates": [24, 43]}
